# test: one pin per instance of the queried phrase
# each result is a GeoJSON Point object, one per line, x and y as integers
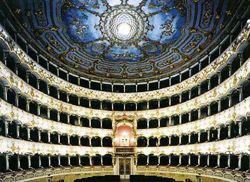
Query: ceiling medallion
{"type": "Point", "coordinates": [122, 31]}
{"type": "Point", "coordinates": [123, 25]}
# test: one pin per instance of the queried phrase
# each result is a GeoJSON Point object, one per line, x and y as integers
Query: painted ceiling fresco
{"type": "Point", "coordinates": [124, 39]}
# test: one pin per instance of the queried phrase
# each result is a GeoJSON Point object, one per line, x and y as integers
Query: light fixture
{"type": "Point", "coordinates": [124, 29]}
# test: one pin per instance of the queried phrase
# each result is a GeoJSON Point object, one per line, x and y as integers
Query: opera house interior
{"type": "Point", "coordinates": [125, 90]}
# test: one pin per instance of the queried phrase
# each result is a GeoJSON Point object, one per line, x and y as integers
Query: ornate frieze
{"type": "Point", "coordinates": [13, 113]}
{"type": "Point", "coordinates": [15, 146]}
{"type": "Point", "coordinates": [232, 146]}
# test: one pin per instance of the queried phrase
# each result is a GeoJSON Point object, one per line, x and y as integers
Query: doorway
{"type": "Point", "coordinates": [125, 167]}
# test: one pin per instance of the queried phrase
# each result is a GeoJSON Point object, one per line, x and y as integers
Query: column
{"type": "Point", "coordinates": [90, 143]}
{"type": "Point", "coordinates": [39, 135]}
{"type": "Point", "coordinates": [59, 138]}
{"type": "Point", "coordinates": [219, 105]}
{"type": "Point", "coordinates": [229, 131]}
{"type": "Point", "coordinates": [67, 97]}
{"type": "Point", "coordinates": [6, 128]}
{"type": "Point", "coordinates": [180, 139]}
{"type": "Point", "coordinates": [159, 160]}
{"type": "Point", "coordinates": [17, 130]}
{"type": "Point", "coordinates": [79, 99]}
{"type": "Point", "coordinates": [199, 113]}
{"type": "Point", "coordinates": [158, 142]}
{"type": "Point", "coordinates": [101, 160]}
{"type": "Point", "coordinates": [199, 137]}
{"type": "Point", "coordinates": [90, 161]}
{"type": "Point", "coordinates": [209, 84]}
{"type": "Point", "coordinates": [27, 77]}
{"type": "Point", "coordinates": [79, 140]}
{"type": "Point", "coordinates": [230, 100]}
{"type": "Point", "coordinates": [5, 93]}
{"type": "Point", "coordinates": [49, 160]}
{"type": "Point", "coordinates": [79, 160]}
{"type": "Point", "coordinates": [68, 138]}
{"type": "Point", "coordinates": [180, 157]}
{"type": "Point", "coordinates": [39, 161]}
{"type": "Point", "coordinates": [49, 140]}
{"type": "Point", "coordinates": [240, 94]}
{"type": "Point", "coordinates": [38, 109]}
{"type": "Point", "coordinates": [240, 128]}
{"type": "Point", "coordinates": [189, 116]}
{"type": "Point", "coordinates": [199, 89]}
{"type": "Point", "coordinates": [230, 69]}
{"type": "Point", "coordinates": [48, 113]}
{"type": "Point", "coordinates": [147, 160]}
{"type": "Point", "coordinates": [180, 119]}
{"type": "Point", "coordinates": [69, 161]}
{"type": "Point", "coordinates": [113, 161]}
{"type": "Point", "coordinates": [7, 164]}
{"type": "Point", "coordinates": [199, 160]}
{"type": "Point", "coordinates": [229, 161]}
{"type": "Point", "coordinates": [189, 94]}
{"type": "Point", "coordinates": [28, 133]}
{"type": "Point", "coordinates": [241, 58]}
{"type": "Point", "coordinates": [169, 160]}
{"type": "Point", "coordinates": [28, 106]}
{"type": "Point", "coordinates": [29, 161]}
{"type": "Point", "coordinates": [219, 77]}
{"type": "Point", "coordinates": [218, 160]}
{"type": "Point", "coordinates": [189, 138]}
{"type": "Point", "coordinates": [208, 160]}
{"type": "Point", "coordinates": [239, 161]}
{"type": "Point", "coordinates": [17, 100]}
{"type": "Point", "coordinates": [59, 160]}
{"type": "Point", "coordinates": [189, 160]}
{"type": "Point", "coordinates": [218, 133]}
{"type": "Point", "coordinates": [209, 110]}
{"type": "Point", "coordinates": [208, 135]}
{"type": "Point", "coordinates": [48, 90]}
{"type": "Point", "coordinates": [58, 116]}
{"type": "Point", "coordinates": [38, 84]}
{"type": "Point", "coordinates": [18, 162]}
{"type": "Point", "coordinates": [68, 118]}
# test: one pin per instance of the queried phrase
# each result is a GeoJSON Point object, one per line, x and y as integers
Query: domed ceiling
{"type": "Point", "coordinates": [123, 39]}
